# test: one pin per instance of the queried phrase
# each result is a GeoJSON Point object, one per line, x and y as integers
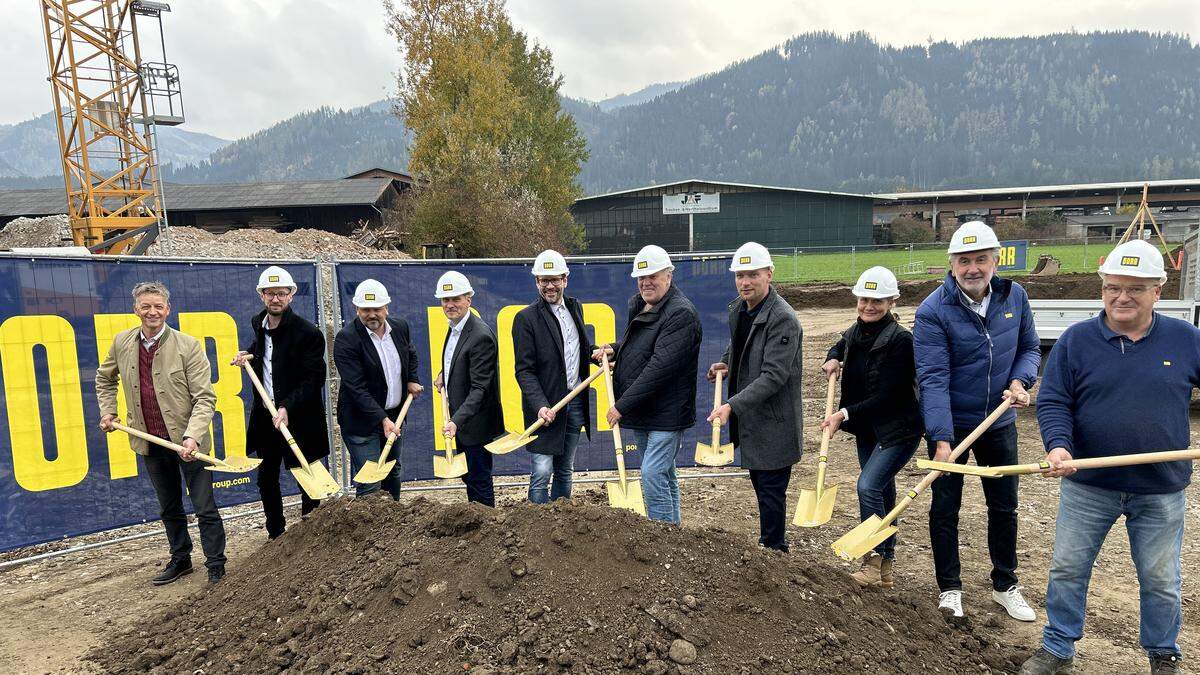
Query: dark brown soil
{"type": "Point", "coordinates": [372, 585]}
{"type": "Point", "coordinates": [1056, 287]}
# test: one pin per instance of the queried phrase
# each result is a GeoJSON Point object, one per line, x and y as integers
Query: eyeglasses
{"type": "Point", "coordinates": [276, 295]}
{"type": "Point", "coordinates": [1132, 291]}
{"type": "Point", "coordinates": [551, 281]}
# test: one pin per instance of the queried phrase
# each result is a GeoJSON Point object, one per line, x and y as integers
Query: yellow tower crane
{"type": "Point", "coordinates": [107, 103]}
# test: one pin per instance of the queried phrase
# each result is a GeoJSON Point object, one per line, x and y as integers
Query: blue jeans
{"type": "Point", "coordinates": [660, 485]}
{"type": "Point", "coordinates": [877, 481]}
{"type": "Point", "coordinates": [367, 448]}
{"type": "Point", "coordinates": [560, 466]}
{"type": "Point", "coordinates": [1155, 527]}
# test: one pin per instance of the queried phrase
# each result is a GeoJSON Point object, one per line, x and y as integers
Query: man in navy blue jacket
{"type": "Point", "coordinates": [1119, 384]}
{"type": "Point", "coordinates": [975, 345]}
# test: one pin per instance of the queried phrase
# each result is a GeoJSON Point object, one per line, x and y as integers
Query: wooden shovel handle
{"type": "Point", "coordinates": [167, 444]}
{"type": "Point", "coordinates": [579, 388]}
{"type": "Point", "coordinates": [445, 397]}
{"type": "Point", "coordinates": [387, 447]}
{"type": "Point", "coordinates": [1105, 462]}
{"type": "Point", "coordinates": [287, 435]}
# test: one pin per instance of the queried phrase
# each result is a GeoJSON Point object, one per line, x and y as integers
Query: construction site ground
{"type": "Point", "coordinates": [96, 611]}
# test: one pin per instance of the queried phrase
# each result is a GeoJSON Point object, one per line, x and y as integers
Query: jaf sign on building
{"type": "Point", "coordinates": [691, 203]}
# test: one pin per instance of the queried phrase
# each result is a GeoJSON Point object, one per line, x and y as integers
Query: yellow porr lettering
{"type": "Point", "coordinates": [122, 462]}
{"type": "Point", "coordinates": [604, 324]}
{"type": "Point", "coordinates": [510, 391]}
{"type": "Point", "coordinates": [19, 338]}
{"type": "Point", "coordinates": [227, 385]}
{"type": "Point", "coordinates": [438, 329]}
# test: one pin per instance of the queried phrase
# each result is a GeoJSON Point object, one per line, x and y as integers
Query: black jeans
{"type": "Point", "coordinates": [770, 487]}
{"type": "Point", "coordinates": [993, 448]}
{"type": "Point", "coordinates": [478, 477]}
{"type": "Point", "coordinates": [272, 496]}
{"type": "Point", "coordinates": [165, 469]}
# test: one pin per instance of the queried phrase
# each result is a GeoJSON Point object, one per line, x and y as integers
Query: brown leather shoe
{"type": "Point", "coordinates": [886, 579]}
{"type": "Point", "coordinates": [869, 573]}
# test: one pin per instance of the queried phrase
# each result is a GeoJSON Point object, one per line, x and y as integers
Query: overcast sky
{"type": "Point", "coordinates": [246, 64]}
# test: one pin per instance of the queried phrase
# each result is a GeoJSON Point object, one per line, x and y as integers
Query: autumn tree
{"type": "Point", "coordinates": [496, 157]}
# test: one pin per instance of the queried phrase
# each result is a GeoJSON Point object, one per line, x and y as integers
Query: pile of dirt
{"type": "Point", "coordinates": [302, 244]}
{"type": "Point", "coordinates": [36, 233]}
{"type": "Point", "coordinates": [373, 585]}
{"type": "Point", "coordinates": [1056, 287]}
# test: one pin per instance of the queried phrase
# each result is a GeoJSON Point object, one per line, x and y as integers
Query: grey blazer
{"type": "Point", "coordinates": [766, 398]}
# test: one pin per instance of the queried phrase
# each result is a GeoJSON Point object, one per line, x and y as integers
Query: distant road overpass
{"type": "Point", "coordinates": [1018, 200]}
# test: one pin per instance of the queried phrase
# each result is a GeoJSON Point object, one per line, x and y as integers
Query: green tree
{"type": "Point", "coordinates": [496, 155]}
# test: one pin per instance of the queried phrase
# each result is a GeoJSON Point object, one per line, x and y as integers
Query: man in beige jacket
{"type": "Point", "coordinates": [168, 392]}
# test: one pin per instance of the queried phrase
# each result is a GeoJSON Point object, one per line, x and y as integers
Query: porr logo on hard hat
{"type": "Point", "coordinates": [447, 287]}
{"type": "Point", "coordinates": [744, 260]}
{"type": "Point", "coordinates": [970, 240]}
{"type": "Point", "coordinates": [870, 285]}
{"type": "Point", "coordinates": [273, 277]}
{"type": "Point", "coordinates": [643, 265]}
{"type": "Point", "coordinates": [1130, 261]}
{"type": "Point", "coordinates": [548, 265]}
{"type": "Point", "coordinates": [370, 296]}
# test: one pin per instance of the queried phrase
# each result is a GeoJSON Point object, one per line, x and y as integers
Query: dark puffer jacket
{"type": "Point", "coordinates": [655, 374]}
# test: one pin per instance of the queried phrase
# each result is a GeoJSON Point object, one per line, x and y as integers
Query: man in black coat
{"type": "Point", "coordinates": [764, 408]}
{"type": "Point", "coordinates": [552, 350]}
{"type": "Point", "coordinates": [655, 377]}
{"type": "Point", "coordinates": [470, 378]}
{"type": "Point", "coordinates": [377, 363]}
{"type": "Point", "coordinates": [288, 355]}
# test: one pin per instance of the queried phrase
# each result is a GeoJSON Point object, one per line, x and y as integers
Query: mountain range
{"type": "Point", "coordinates": [820, 111]}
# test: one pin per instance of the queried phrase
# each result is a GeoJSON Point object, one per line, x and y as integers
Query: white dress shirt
{"type": "Point", "coordinates": [392, 370]}
{"type": "Point", "coordinates": [570, 342]}
{"type": "Point", "coordinates": [268, 382]}
{"type": "Point", "coordinates": [147, 343]}
{"type": "Point", "coordinates": [980, 307]}
{"type": "Point", "coordinates": [451, 345]}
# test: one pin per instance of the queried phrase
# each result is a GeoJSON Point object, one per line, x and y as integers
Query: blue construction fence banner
{"type": "Point", "coordinates": [60, 475]}
{"type": "Point", "coordinates": [1013, 255]}
{"type": "Point", "coordinates": [501, 290]}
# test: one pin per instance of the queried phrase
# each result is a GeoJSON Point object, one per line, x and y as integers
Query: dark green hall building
{"type": "Point", "coordinates": [722, 216]}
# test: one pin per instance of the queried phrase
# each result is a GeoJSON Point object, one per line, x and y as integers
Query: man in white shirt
{"type": "Point", "coordinates": [551, 351]}
{"type": "Point", "coordinates": [377, 363]}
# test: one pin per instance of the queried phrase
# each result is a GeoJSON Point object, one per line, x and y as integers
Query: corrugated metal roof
{"type": "Point", "coordinates": [1186, 184]}
{"type": "Point", "coordinates": [718, 183]}
{"type": "Point", "coordinates": [219, 197]}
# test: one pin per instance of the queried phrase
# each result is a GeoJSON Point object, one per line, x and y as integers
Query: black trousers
{"type": "Point", "coordinates": [272, 496]}
{"type": "Point", "coordinates": [995, 447]}
{"type": "Point", "coordinates": [165, 469]}
{"type": "Point", "coordinates": [770, 487]}
{"type": "Point", "coordinates": [478, 477]}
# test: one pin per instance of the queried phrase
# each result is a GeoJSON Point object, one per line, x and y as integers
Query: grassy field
{"type": "Point", "coordinates": [846, 266]}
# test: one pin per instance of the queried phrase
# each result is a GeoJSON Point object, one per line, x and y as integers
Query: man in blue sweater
{"type": "Point", "coordinates": [1114, 385]}
{"type": "Point", "coordinates": [975, 345]}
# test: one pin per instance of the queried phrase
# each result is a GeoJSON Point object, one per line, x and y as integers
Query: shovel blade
{"type": "Point", "coordinates": [628, 498]}
{"type": "Point", "coordinates": [373, 472]}
{"type": "Point", "coordinates": [235, 464]}
{"type": "Point", "coordinates": [813, 510]}
{"type": "Point", "coordinates": [316, 481]}
{"type": "Point", "coordinates": [507, 443]}
{"type": "Point", "coordinates": [452, 467]}
{"type": "Point", "coordinates": [714, 455]}
{"type": "Point", "coordinates": [862, 539]}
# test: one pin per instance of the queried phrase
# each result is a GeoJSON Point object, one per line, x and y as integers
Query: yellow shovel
{"type": "Point", "coordinates": [1080, 464]}
{"type": "Point", "coordinates": [228, 465]}
{"type": "Point", "coordinates": [871, 532]}
{"type": "Point", "coordinates": [715, 454]}
{"type": "Point", "coordinates": [375, 470]}
{"type": "Point", "coordinates": [313, 477]}
{"type": "Point", "coordinates": [510, 441]}
{"type": "Point", "coordinates": [815, 507]}
{"type": "Point", "coordinates": [622, 493]}
{"type": "Point", "coordinates": [454, 464]}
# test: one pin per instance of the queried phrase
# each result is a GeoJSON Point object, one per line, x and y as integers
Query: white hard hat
{"type": "Point", "coordinates": [973, 236]}
{"type": "Point", "coordinates": [751, 256]}
{"type": "Point", "coordinates": [649, 260]}
{"type": "Point", "coordinates": [550, 263]}
{"type": "Point", "coordinates": [877, 282]}
{"type": "Point", "coordinates": [275, 277]}
{"type": "Point", "coordinates": [452, 285]}
{"type": "Point", "coordinates": [1135, 258]}
{"type": "Point", "coordinates": [370, 294]}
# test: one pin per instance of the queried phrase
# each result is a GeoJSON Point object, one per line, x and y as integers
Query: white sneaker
{"type": "Point", "coordinates": [951, 602]}
{"type": "Point", "coordinates": [1014, 603]}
